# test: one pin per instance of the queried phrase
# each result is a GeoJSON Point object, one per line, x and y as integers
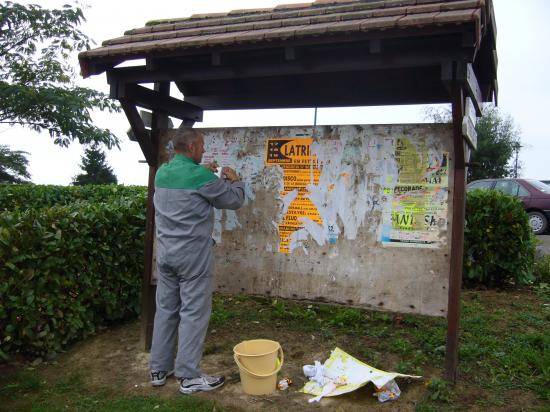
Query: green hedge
{"type": "Point", "coordinates": [24, 197]}
{"type": "Point", "coordinates": [66, 270]}
{"type": "Point", "coordinates": [499, 245]}
{"type": "Point", "coordinates": [542, 270]}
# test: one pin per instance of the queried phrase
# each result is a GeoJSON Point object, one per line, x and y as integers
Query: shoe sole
{"type": "Point", "coordinates": [189, 391]}
{"type": "Point", "coordinates": [162, 382]}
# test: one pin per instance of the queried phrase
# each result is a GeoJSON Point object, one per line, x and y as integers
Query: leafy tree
{"type": "Point", "coordinates": [498, 140]}
{"type": "Point", "coordinates": [13, 166]}
{"type": "Point", "coordinates": [97, 171]}
{"type": "Point", "coordinates": [37, 88]}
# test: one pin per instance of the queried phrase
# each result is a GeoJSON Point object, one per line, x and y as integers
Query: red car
{"type": "Point", "coordinates": [534, 195]}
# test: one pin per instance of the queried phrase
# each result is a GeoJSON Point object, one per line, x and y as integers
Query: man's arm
{"type": "Point", "coordinates": [225, 193]}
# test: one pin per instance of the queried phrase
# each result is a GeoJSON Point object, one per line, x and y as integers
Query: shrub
{"type": "Point", "coordinates": [541, 281]}
{"type": "Point", "coordinates": [499, 246]}
{"type": "Point", "coordinates": [22, 197]}
{"type": "Point", "coordinates": [67, 269]}
{"type": "Point", "coordinates": [542, 270]}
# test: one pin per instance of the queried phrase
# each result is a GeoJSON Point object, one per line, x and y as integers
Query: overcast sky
{"type": "Point", "coordinates": [523, 32]}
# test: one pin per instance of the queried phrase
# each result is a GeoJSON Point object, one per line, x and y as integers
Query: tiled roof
{"type": "Point", "coordinates": [287, 22]}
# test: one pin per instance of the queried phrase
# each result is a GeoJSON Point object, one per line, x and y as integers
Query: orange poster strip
{"type": "Point", "coordinates": [300, 169]}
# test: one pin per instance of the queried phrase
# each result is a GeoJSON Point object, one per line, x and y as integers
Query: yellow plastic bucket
{"type": "Point", "coordinates": [259, 361]}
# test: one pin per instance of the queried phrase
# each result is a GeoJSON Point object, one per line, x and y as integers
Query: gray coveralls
{"type": "Point", "coordinates": [185, 195]}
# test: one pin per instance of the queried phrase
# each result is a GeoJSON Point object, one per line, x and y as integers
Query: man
{"type": "Point", "coordinates": [185, 195]}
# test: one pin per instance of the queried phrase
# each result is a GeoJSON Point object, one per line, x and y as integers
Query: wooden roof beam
{"type": "Point", "coordinates": [259, 101]}
{"type": "Point", "coordinates": [89, 68]}
{"type": "Point", "coordinates": [153, 100]}
{"type": "Point", "coordinates": [321, 64]}
{"type": "Point", "coordinates": [375, 46]}
{"type": "Point", "coordinates": [290, 53]}
{"type": "Point", "coordinates": [143, 135]}
{"type": "Point", "coordinates": [350, 89]}
{"type": "Point", "coordinates": [463, 73]}
{"type": "Point", "coordinates": [216, 59]}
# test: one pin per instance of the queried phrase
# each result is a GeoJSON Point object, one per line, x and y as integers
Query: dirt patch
{"type": "Point", "coordinates": [114, 357]}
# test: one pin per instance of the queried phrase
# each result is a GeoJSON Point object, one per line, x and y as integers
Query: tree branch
{"type": "Point", "coordinates": [22, 123]}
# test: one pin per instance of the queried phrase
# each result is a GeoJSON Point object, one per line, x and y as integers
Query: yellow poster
{"type": "Point", "coordinates": [300, 169]}
{"type": "Point", "coordinates": [419, 197]}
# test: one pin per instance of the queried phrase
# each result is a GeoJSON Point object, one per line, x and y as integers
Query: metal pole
{"type": "Point", "coordinates": [516, 162]}
{"type": "Point", "coordinates": [314, 122]}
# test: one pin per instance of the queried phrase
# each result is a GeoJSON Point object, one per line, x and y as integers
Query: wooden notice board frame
{"type": "Point", "coordinates": [321, 54]}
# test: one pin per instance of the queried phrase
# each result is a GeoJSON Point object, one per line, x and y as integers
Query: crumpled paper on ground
{"type": "Point", "coordinates": [343, 373]}
{"type": "Point", "coordinates": [389, 392]}
{"type": "Point", "coordinates": [315, 372]}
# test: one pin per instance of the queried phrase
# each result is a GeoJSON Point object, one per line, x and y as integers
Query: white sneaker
{"type": "Point", "coordinates": [158, 378]}
{"type": "Point", "coordinates": [204, 383]}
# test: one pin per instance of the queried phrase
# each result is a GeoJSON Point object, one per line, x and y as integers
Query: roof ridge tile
{"type": "Point", "coordinates": [201, 16]}
{"type": "Point", "coordinates": [424, 8]}
{"type": "Point", "coordinates": [290, 21]}
{"type": "Point", "coordinates": [394, 11]}
{"type": "Point", "coordinates": [419, 19]}
{"type": "Point", "coordinates": [210, 19]}
{"type": "Point", "coordinates": [399, 3]}
{"type": "Point", "coordinates": [464, 4]}
{"type": "Point", "coordinates": [323, 2]}
{"type": "Point", "coordinates": [292, 6]}
{"type": "Point", "coordinates": [379, 23]}
{"type": "Point", "coordinates": [241, 12]}
{"type": "Point", "coordinates": [327, 6]}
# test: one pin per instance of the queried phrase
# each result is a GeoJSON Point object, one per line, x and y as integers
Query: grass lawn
{"type": "Point", "coordinates": [504, 359]}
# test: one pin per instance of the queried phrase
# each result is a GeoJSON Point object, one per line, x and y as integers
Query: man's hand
{"type": "Point", "coordinates": [212, 166]}
{"type": "Point", "coordinates": [230, 174]}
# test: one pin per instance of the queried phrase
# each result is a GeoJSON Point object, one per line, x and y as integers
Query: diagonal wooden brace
{"type": "Point", "coordinates": [155, 101]}
{"type": "Point", "coordinates": [143, 136]}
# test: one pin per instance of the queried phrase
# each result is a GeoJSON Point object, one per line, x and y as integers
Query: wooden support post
{"type": "Point", "coordinates": [140, 132]}
{"type": "Point", "coordinates": [159, 124]}
{"type": "Point", "coordinates": [148, 290]}
{"type": "Point", "coordinates": [457, 239]}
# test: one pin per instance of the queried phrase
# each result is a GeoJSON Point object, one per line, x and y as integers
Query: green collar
{"type": "Point", "coordinates": [183, 158]}
{"type": "Point", "coordinates": [183, 173]}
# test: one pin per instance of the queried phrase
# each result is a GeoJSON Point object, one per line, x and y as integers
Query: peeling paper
{"type": "Point", "coordinates": [343, 368]}
{"type": "Point", "coordinates": [227, 150]}
{"type": "Point", "coordinates": [231, 220]}
{"type": "Point", "coordinates": [346, 184]}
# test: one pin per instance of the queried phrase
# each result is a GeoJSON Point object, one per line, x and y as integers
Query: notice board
{"type": "Point", "coordinates": [352, 214]}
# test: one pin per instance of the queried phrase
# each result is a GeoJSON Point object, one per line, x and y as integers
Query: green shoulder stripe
{"type": "Point", "coordinates": [182, 173]}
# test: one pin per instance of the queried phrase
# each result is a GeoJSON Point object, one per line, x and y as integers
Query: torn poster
{"type": "Point", "coordinates": [300, 169]}
{"type": "Point", "coordinates": [418, 198]}
{"type": "Point", "coordinates": [343, 373]}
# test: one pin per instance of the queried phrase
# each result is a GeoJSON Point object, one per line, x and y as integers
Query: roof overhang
{"type": "Point", "coordinates": [328, 53]}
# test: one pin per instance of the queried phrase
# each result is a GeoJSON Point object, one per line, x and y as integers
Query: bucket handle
{"type": "Point", "coordinates": [281, 361]}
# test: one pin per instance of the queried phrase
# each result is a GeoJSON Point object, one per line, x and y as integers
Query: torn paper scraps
{"type": "Point", "coordinates": [342, 373]}
{"type": "Point", "coordinates": [389, 392]}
